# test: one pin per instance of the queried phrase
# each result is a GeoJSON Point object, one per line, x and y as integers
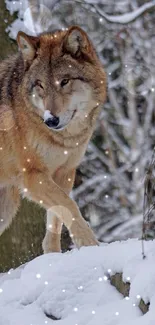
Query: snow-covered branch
{"type": "Point", "coordinates": [128, 17]}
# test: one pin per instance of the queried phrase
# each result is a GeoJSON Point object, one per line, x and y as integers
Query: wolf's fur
{"type": "Point", "coordinates": [37, 161]}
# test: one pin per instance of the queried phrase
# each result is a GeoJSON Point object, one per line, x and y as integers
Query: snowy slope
{"type": "Point", "coordinates": [74, 288]}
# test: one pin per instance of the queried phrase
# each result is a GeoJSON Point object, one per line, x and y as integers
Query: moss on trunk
{"type": "Point", "coordinates": [7, 46]}
{"type": "Point", "coordinates": [22, 241]}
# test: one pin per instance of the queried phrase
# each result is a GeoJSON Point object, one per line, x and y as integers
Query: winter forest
{"type": "Point", "coordinates": [114, 185]}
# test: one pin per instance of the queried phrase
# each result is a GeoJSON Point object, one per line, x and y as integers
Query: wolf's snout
{"type": "Point", "coordinates": [52, 122]}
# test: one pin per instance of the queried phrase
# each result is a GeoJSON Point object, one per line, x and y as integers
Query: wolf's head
{"type": "Point", "coordinates": [63, 79]}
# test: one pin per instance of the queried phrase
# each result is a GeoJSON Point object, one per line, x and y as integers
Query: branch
{"type": "Point", "coordinates": [128, 17]}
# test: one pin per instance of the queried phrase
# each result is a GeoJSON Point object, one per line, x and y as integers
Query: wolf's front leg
{"type": "Point", "coordinates": [52, 241]}
{"type": "Point", "coordinates": [41, 188]}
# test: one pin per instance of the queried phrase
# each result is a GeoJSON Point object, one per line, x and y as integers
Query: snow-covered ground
{"type": "Point", "coordinates": [73, 287]}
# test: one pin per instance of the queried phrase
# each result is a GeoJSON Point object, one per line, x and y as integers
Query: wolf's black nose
{"type": "Point", "coordinates": [52, 122]}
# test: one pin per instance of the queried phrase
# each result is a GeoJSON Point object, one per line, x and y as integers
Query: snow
{"type": "Point", "coordinates": [74, 287]}
{"type": "Point", "coordinates": [24, 22]}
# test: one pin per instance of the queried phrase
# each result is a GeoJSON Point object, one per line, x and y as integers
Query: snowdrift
{"type": "Point", "coordinates": [74, 288]}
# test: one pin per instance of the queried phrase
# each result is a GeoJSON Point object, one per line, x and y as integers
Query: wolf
{"type": "Point", "coordinates": [51, 93]}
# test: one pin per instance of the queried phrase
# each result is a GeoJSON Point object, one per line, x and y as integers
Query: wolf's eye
{"type": "Point", "coordinates": [64, 82]}
{"type": "Point", "coordinates": [38, 83]}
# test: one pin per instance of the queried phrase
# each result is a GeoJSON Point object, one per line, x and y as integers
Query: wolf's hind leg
{"type": "Point", "coordinates": [9, 203]}
{"type": "Point", "coordinates": [52, 240]}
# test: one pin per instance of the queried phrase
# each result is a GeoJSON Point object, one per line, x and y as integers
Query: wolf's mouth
{"type": "Point", "coordinates": [62, 126]}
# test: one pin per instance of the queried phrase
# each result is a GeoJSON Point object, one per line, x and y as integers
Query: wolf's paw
{"type": "Point", "coordinates": [79, 242]}
{"type": "Point", "coordinates": [82, 235]}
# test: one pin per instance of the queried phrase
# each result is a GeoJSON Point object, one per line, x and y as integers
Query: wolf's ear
{"type": "Point", "coordinates": [28, 45]}
{"type": "Point", "coordinates": [76, 41]}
